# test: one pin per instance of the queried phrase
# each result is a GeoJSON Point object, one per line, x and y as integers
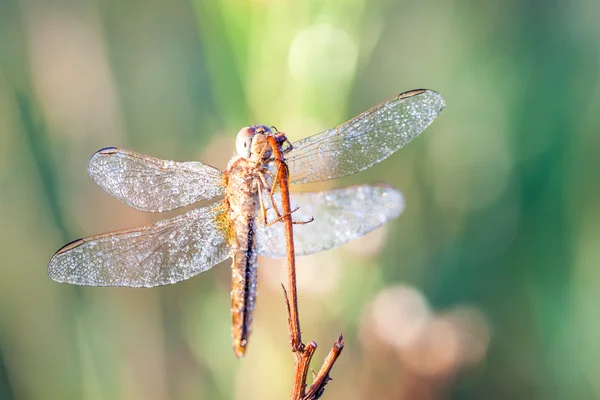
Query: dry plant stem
{"type": "Point", "coordinates": [292, 297]}
{"type": "Point", "coordinates": [294, 326]}
{"type": "Point", "coordinates": [302, 359]}
{"type": "Point", "coordinates": [302, 354]}
{"type": "Point", "coordinates": [318, 386]}
{"type": "Point", "coordinates": [300, 366]}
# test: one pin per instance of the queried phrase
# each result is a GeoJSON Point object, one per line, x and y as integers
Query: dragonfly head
{"type": "Point", "coordinates": [251, 142]}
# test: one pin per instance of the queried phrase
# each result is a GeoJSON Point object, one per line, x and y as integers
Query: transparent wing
{"type": "Point", "coordinates": [167, 252]}
{"type": "Point", "coordinates": [364, 140]}
{"type": "Point", "coordinates": [150, 184]}
{"type": "Point", "coordinates": [340, 215]}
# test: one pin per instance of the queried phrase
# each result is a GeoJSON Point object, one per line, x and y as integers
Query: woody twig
{"type": "Point", "coordinates": [302, 353]}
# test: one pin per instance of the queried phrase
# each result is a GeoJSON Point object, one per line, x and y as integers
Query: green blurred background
{"type": "Point", "coordinates": [486, 288]}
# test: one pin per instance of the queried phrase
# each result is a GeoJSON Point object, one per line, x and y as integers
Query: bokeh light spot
{"type": "Point", "coordinates": [322, 54]}
{"type": "Point", "coordinates": [400, 313]}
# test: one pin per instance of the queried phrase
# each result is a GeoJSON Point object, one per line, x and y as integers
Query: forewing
{"type": "Point", "coordinates": [364, 140]}
{"type": "Point", "coordinates": [340, 215]}
{"type": "Point", "coordinates": [150, 184]}
{"type": "Point", "coordinates": [169, 251]}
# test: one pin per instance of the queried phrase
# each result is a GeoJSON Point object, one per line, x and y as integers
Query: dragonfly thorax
{"type": "Point", "coordinates": [251, 142]}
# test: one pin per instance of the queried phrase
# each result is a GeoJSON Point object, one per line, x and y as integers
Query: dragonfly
{"type": "Point", "coordinates": [243, 222]}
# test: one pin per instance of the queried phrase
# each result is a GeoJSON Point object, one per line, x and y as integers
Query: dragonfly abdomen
{"type": "Point", "coordinates": [243, 292]}
{"type": "Point", "coordinates": [242, 198]}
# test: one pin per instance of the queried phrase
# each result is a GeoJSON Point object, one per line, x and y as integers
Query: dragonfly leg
{"type": "Point", "coordinates": [274, 205]}
{"type": "Point", "coordinates": [262, 185]}
{"type": "Point", "coordinates": [308, 221]}
{"type": "Point", "coordinates": [262, 202]}
{"type": "Point", "coordinates": [265, 184]}
{"type": "Point", "coordinates": [290, 147]}
{"type": "Point", "coordinates": [275, 182]}
{"type": "Point", "coordinates": [264, 174]}
{"type": "Point", "coordinates": [268, 173]}
{"type": "Point", "coordinates": [281, 217]}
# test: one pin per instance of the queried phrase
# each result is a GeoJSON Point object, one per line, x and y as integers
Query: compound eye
{"type": "Point", "coordinates": [243, 141]}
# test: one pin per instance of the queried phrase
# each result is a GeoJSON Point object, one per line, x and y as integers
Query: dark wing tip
{"type": "Point", "coordinates": [55, 269]}
{"type": "Point", "coordinates": [104, 151]}
{"type": "Point", "coordinates": [69, 246]}
{"type": "Point", "coordinates": [412, 93]}
{"type": "Point", "coordinates": [416, 92]}
{"type": "Point", "coordinates": [107, 150]}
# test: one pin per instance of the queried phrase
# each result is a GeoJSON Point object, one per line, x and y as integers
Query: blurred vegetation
{"type": "Point", "coordinates": [486, 287]}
